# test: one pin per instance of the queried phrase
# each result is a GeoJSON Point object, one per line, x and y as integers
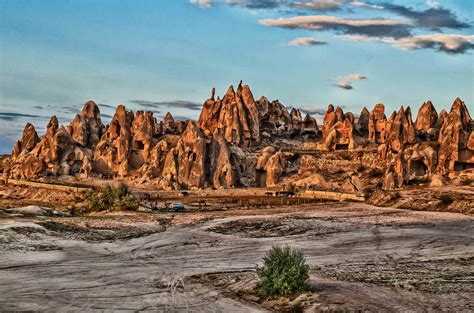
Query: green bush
{"type": "Point", "coordinates": [112, 199]}
{"type": "Point", "coordinates": [283, 273]}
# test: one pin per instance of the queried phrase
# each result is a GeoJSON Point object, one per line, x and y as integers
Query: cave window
{"type": "Point", "coordinates": [139, 145]}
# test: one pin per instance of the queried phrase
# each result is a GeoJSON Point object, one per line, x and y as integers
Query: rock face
{"type": "Point", "coordinates": [239, 142]}
{"type": "Point", "coordinates": [29, 138]}
{"type": "Point", "coordinates": [455, 139]}
{"type": "Point", "coordinates": [270, 166]}
{"type": "Point", "coordinates": [236, 116]}
{"type": "Point", "coordinates": [86, 127]}
{"type": "Point", "coordinates": [425, 124]}
{"type": "Point", "coordinates": [400, 130]}
{"type": "Point", "coordinates": [191, 154]}
{"type": "Point", "coordinates": [362, 125]}
{"type": "Point", "coordinates": [113, 150]}
{"type": "Point", "coordinates": [338, 130]}
{"type": "Point", "coordinates": [377, 124]}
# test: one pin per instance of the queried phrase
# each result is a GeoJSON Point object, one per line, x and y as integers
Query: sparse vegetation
{"type": "Point", "coordinates": [112, 199]}
{"type": "Point", "coordinates": [291, 187]}
{"type": "Point", "coordinates": [283, 273]}
{"type": "Point", "coordinates": [375, 173]}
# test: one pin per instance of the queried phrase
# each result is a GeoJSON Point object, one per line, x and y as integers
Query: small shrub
{"type": "Point", "coordinates": [291, 187]}
{"type": "Point", "coordinates": [112, 199]}
{"type": "Point", "coordinates": [375, 173]}
{"type": "Point", "coordinates": [283, 273]}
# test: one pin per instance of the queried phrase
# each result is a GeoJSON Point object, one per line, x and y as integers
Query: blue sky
{"type": "Point", "coordinates": [166, 55]}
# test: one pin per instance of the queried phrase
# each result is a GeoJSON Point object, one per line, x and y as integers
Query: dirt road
{"type": "Point", "coordinates": [361, 257]}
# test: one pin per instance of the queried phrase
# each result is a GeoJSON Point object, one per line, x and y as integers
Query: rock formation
{"type": "Point", "coordinates": [425, 124]}
{"type": "Point", "coordinates": [239, 142]}
{"type": "Point", "coordinates": [376, 125]}
{"type": "Point", "coordinates": [400, 130]}
{"type": "Point", "coordinates": [86, 127]}
{"type": "Point", "coordinates": [236, 115]}
{"type": "Point", "coordinates": [455, 139]}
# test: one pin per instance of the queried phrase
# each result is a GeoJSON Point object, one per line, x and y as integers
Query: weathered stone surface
{"type": "Point", "coordinates": [454, 139]}
{"type": "Point", "coordinates": [238, 117]}
{"type": "Point", "coordinates": [113, 150]}
{"type": "Point", "coordinates": [222, 149]}
{"type": "Point", "coordinates": [87, 127]}
{"type": "Point", "coordinates": [29, 138]}
{"type": "Point", "coordinates": [222, 172]}
{"type": "Point", "coordinates": [329, 120]}
{"type": "Point", "coordinates": [191, 153]}
{"type": "Point", "coordinates": [362, 125]}
{"type": "Point", "coordinates": [401, 131]}
{"type": "Point", "coordinates": [377, 124]}
{"type": "Point", "coordinates": [425, 124]}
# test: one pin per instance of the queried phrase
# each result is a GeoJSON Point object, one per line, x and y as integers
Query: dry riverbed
{"type": "Point", "coordinates": [361, 257]}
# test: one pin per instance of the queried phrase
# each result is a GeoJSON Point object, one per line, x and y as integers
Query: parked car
{"type": "Point", "coordinates": [177, 207]}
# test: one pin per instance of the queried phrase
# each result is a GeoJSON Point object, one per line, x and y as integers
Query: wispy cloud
{"type": "Point", "coordinates": [251, 4]}
{"type": "Point", "coordinates": [448, 43]}
{"type": "Point", "coordinates": [306, 41]}
{"type": "Point", "coordinates": [375, 27]}
{"type": "Point", "coordinates": [345, 82]}
{"type": "Point", "coordinates": [344, 85]}
{"type": "Point", "coordinates": [170, 104]}
{"type": "Point", "coordinates": [10, 116]}
{"type": "Point", "coordinates": [318, 5]}
{"type": "Point", "coordinates": [433, 18]}
{"type": "Point", "coordinates": [361, 4]}
{"type": "Point", "coordinates": [313, 111]}
{"type": "Point", "coordinates": [355, 77]}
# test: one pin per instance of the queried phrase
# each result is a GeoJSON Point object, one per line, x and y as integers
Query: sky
{"type": "Point", "coordinates": [166, 55]}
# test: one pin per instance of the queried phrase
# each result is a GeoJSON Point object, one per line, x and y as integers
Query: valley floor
{"type": "Point", "coordinates": [361, 257]}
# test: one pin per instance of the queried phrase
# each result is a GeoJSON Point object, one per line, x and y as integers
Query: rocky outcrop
{"type": "Point", "coordinates": [236, 116]}
{"type": "Point", "coordinates": [329, 120]}
{"type": "Point", "coordinates": [310, 129]}
{"type": "Point", "coordinates": [377, 124]}
{"type": "Point", "coordinates": [191, 153]}
{"type": "Point", "coordinates": [112, 153]}
{"type": "Point", "coordinates": [222, 150]}
{"type": "Point", "coordinates": [400, 130]}
{"type": "Point", "coordinates": [411, 164]}
{"type": "Point", "coordinates": [362, 125]}
{"type": "Point", "coordinates": [341, 134]}
{"type": "Point", "coordinates": [455, 140]}
{"type": "Point", "coordinates": [270, 167]}
{"type": "Point", "coordinates": [425, 124]}
{"type": "Point", "coordinates": [86, 127]}
{"type": "Point", "coordinates": [222, 172]}
{"type": "Point", "coordinates": [29, 139]}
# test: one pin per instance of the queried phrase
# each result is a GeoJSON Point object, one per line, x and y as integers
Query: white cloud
{"type": "Point", "coordinates": [449, 43]}
{"type": "Point", "coordinates": [318, 4]}
{"type": "Point", "coordinates": [305, 41]}
{"type": "Point", "coordinates": [319, 22]}
{"type": "Point", "coordinates": [202, 3]}
{"type": "Point", "coordinates": [344, 85]}
{"type": "Point", "coordinates": [432, 3]}
{"type": "Point", "coordinates": [355, 77]}
{"type": "Point", "coordinates": [361, 4]}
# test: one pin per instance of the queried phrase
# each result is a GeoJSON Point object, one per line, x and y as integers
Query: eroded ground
{"type": "Point", "coordinates": [361, 258]}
